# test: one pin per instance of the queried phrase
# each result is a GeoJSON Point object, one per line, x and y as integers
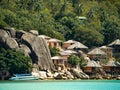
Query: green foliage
{"type": "Point", "coordinates": [54, 51]}
{"type": "Point", "coordinates": [118, 60]}
{"type": "Point", "coordinates": [14, 62]}
{"type": "Point", "coordinates": [73, 60]}
{"type": "Point", "coordinates": [60, 18]}
{"type": "Point", "coordinates": [82, 62]}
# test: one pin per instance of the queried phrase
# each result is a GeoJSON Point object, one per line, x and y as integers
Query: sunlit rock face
{"type": "Point", "coordinates": [30, 44]}
{"type": "Point", "coordinates": [40, 52]}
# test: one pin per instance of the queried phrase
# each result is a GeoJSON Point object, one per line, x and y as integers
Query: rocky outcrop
{"type": "Point", "coordinates": [11, 32]}
{"type": "Point", "coordinates": [11, 43]}
{"type": "Point", "coordinates": [3, 36]}
{"type": "Point", "coordinates": [25, 49]}
{"type": "Point", "coordinates": [40, 52]}
{"type": "Point", "coordinates": [30, 44]}
{"type": "Point", "coordinates": [79, 74]}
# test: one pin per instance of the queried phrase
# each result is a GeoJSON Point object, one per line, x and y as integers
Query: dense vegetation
{"type": "Point", "coordinates": [13, 62]}
{"type": "Point", "coordinates": [74, 60]}
{"type": "Point", "coordinates": [62, 18]}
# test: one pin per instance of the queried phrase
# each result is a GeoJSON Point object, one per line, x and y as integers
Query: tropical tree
{"type": "Point", "coordinates": [54, 51]}
{"type": "Point", "coordinates": [13, 62]}
{"type": "Point", "coordinates": [73, 60]}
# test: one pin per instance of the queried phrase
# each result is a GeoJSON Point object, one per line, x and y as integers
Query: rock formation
{"type": "Point", "coordinates": [30, 44]}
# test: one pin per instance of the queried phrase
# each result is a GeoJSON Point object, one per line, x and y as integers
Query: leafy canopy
{"type": "Point", "coordinates": [14, 62]}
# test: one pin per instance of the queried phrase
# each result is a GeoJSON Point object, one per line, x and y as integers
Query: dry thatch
{"type": "Point", "coordinates": [113, 64]}
{"type": "Point", "coordinates": [68, 52]}
{"type": "Point", "coordinates": [92, 64]}
{"type": "Point", "coordinates": [97, 51]}
{"type": "Point", "coordinates": [116, 42]}
{"type": "Point", "coordinates": [70, 41]}
{"type": "Point", "coordinates": [57, 58]}
{"type": "Point", "coordinates": [78, 45]}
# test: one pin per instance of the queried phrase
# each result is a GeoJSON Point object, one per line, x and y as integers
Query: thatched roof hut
{"type": "Point", "coordinates": [112, 67]}
{"type": "Point", "coordinates": [77, 45]}
{"type": "Point", "coordinates": [116, 42]}
{"type": "Point", "coordinates": [92, 63]}
{"type": "Point", "coordinates": [107, 50]}
{"type": "Point", "coordinates": [116, 48]}
{"type": "Point", "coordinates": [97, 54]}
{"type": "Point", "coordinates": [97, 51]}
{"type": "Point", "coordinates": [59, 61]}
{"type": "Point", "coordinates": [70, 41]}
{"type": "Point", "coordinates": [112, 63]}
{"type": "Point", "coordinates": [67, 52]}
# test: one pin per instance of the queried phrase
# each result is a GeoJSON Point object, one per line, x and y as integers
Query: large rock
{"type": "Point", "coordinates": [11, 31]}
{"type": "Point", "coordinates": [40, 53]}
{"type": "Point", "coordinates": [69, 75]}
{"type": "Point", "coordinates": [42, 75]}
{"type": "Point", "coordinates": [79, 74]}
{"type": "Point", "coordinates": [35, 32]}
{"type": "Point", "coordinates": [3, 36]}
{"type": "Point", "coordinates": [25, 49]}
{"type": "Point", "coordinates": [11, 43]}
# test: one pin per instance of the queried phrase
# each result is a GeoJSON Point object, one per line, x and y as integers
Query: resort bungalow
{"type": "Point", "coordinates": [91, 67]}
{"type": "Point", "coordinates": [59, 62]}
{"type": "Point", "coordinates": [112, 67]}
{"type": "Point", "coordinates": [116, 48]}
{"type": "Point", "coordinates": [66, 54]}
{"type": "Point", "coordinates": [97, 54]}
{"type": "Point", "coordinates": [78, 46]}
{"type": "Point", "coordinates": [55, 43]}
{"type": "Point", "coordinates": [68, 43]}
{"type": "Point", "coordinates": [108, 51]}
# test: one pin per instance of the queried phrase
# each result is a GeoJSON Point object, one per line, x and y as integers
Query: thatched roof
{"type": "Point", "coordinates": [57, 58]}
{"type": "Point", "coordinates": [70, 41]}
{"type": "Point", "coordinates": [92, 64]}
{"type": "Point", "coordinates": [113, 64]}
{"type": "Point", "coordinates": [116, 42]}
{"type": "Point", "coordinates": [67, 52]}
{"type": "Point", "coordinates": [105, 47]}
{"type": "Point", "coordinates": [54, 40]}
{"type": "Point", "coordinates": [97, 51]}
{"type": "Point", "coordinates": [77, 45]}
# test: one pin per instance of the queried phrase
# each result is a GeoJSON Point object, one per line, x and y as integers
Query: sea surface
{"type": "Point", "coordinates": [61, 85]}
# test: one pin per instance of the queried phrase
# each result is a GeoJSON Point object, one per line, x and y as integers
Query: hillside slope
{"type": "Point", "coordinates": [92, 22]}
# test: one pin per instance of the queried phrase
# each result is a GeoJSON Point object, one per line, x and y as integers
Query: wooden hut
{"type": "Point", "coordinates": [112, 67]}
{"type": "Point", "coordinates": [108, 51]}
{"type": "Point", "coordinates": [97, 54]}
{"type": "Point", "coordinates": [66, 54]}
{"type": "Point", "coordinates": [116, 48]}
{"type": "Point", "coordinates": [55, 43]}
{"type": "Point", "coordinates": [92, 68]}
{"type": "Point", "coordinates": [68, 43]}
{"type": "Point", "coordinates": [91, 65]}
{"type": "Point", "coordinates": [59, 62]}
{"type": "Point", "coordinates": [78, 46]}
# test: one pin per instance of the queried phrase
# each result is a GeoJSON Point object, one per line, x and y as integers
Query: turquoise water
{"type": "Point", "coordinates": [61, 85]}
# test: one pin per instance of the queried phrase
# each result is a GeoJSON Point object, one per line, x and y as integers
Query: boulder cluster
{"type": "Point", "coordinates": [71, 74]}
{"type": "Point", "coordinates": [30, 44]}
